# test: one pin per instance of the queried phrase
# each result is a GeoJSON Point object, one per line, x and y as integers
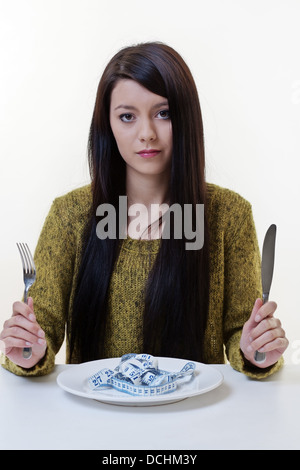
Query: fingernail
{"type": "Point", "coordinates": [249, 348]}
{"type": "Point", "coordinates": [41, 334]}
{"type": "Point", "coordinates": [32, 317]}
{"type": "Point", "coordinates": [41, 341]}
{"type": "Point", "coordinates": [28, 343]}
{"type": "Point", "coordinates": [257, 318]}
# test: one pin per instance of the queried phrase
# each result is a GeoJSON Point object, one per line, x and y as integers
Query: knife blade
{"type": "Point", "coordinates": [267, 267]}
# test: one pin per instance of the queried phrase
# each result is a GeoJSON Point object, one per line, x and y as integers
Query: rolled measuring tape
{"type": "Point", "coordinates": [139, 375]}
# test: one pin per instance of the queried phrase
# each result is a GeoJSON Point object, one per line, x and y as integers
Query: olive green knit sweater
{"type": "Point", "coordinates": [234, 280]}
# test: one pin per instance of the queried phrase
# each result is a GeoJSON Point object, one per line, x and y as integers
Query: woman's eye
{"type": "Point", "coordinates": [165, 114]}
{"type": "Point", "coordinates": [126, 117]}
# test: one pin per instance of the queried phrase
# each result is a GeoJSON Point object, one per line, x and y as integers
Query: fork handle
{"type": "Point", "coordinates": [27, 352]}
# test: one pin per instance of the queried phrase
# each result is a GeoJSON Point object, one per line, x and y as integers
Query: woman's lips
{"type": "Point", "coordinates": [148, 153]}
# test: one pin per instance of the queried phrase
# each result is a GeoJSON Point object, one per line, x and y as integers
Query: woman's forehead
{"type": "Point", "coordinates": [129, 93]}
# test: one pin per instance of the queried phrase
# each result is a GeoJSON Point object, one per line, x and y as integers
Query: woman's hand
{"type": "Point", "coordinates": [23, 331]}
{"type": "Point", "coordinates": [263, 333]}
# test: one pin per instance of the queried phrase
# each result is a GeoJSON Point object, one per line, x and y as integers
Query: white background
{"type": "Point", "coordinates": [244, 55]}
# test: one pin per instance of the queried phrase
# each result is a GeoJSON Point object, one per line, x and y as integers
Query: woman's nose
{"type": "Point", "coordinates": [147, 132]}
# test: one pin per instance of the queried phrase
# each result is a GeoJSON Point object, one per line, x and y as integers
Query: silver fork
{"type": "Point", "coordinates": [29, 275]}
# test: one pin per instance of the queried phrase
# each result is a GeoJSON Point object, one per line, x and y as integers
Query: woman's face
{"type": "Point", "coordinates": [141, 125]}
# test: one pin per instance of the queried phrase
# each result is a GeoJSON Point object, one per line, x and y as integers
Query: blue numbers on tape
{"type": "Point", "coordinates": [138, 374]}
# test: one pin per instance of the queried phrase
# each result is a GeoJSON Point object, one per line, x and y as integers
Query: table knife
{"type": "Point", "coordinates": [267, 266]}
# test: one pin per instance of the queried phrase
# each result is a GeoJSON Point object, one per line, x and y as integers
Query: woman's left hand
{"type": "Point", "coordinates": [263, 333]}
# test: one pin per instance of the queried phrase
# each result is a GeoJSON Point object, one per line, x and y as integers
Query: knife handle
{"type": "Point", "coordinates": [260, 357]}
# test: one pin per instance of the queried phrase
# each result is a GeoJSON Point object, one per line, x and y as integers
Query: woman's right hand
{"type": "Point", "coordinates": [23, 331]}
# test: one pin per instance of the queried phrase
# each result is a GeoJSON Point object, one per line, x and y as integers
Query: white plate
{"type": "Point", "coordinates": [75, 380]}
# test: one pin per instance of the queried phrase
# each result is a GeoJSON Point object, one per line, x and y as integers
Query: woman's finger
{"type": "Point", "coordinates": [16, 332]}
{"type": "Point", "coordinates": [279, 344]}
{"type": "Point", "coordinates": [267, 338]}
{"type": "Point", "coordinates": [269, 323]}
{"type": "Point", "coordinates": [20, 308]}
{"type": "Point", "coordinates": [266, 310]}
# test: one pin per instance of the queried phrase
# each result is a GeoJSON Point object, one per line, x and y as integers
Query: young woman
{"type": "Point", "coordinates": [136, 290]}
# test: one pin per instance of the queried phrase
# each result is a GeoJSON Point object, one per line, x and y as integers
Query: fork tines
{"type": "Point", "coordinates": [26, 258]}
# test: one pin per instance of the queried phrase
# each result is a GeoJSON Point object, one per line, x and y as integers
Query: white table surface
{"type": "Point", "coordinates": [35, 413]}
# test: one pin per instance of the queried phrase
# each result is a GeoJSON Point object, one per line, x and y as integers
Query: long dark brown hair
{"type": "Point", "coordinates": [176, 298]}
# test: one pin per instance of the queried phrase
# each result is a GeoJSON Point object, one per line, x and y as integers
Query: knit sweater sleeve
{"type": "Point", "coordinates": [242, 288]}
{"type": "Point", "coordinates": [54, 260]}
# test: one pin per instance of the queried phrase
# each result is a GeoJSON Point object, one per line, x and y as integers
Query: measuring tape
{"type": "Point", "coordinates": [138, 374]}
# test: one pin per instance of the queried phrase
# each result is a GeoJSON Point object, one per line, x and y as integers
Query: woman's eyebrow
{"type": "Point", "coordinates": [133, 108]}
{"type": "Point", "coordinates": [125, 106]}
{"type": "Point", "coordinates": [158, 105]}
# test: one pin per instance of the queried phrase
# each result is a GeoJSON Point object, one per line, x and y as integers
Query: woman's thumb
{"type": "Point", "coordinates": [258, 303]}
